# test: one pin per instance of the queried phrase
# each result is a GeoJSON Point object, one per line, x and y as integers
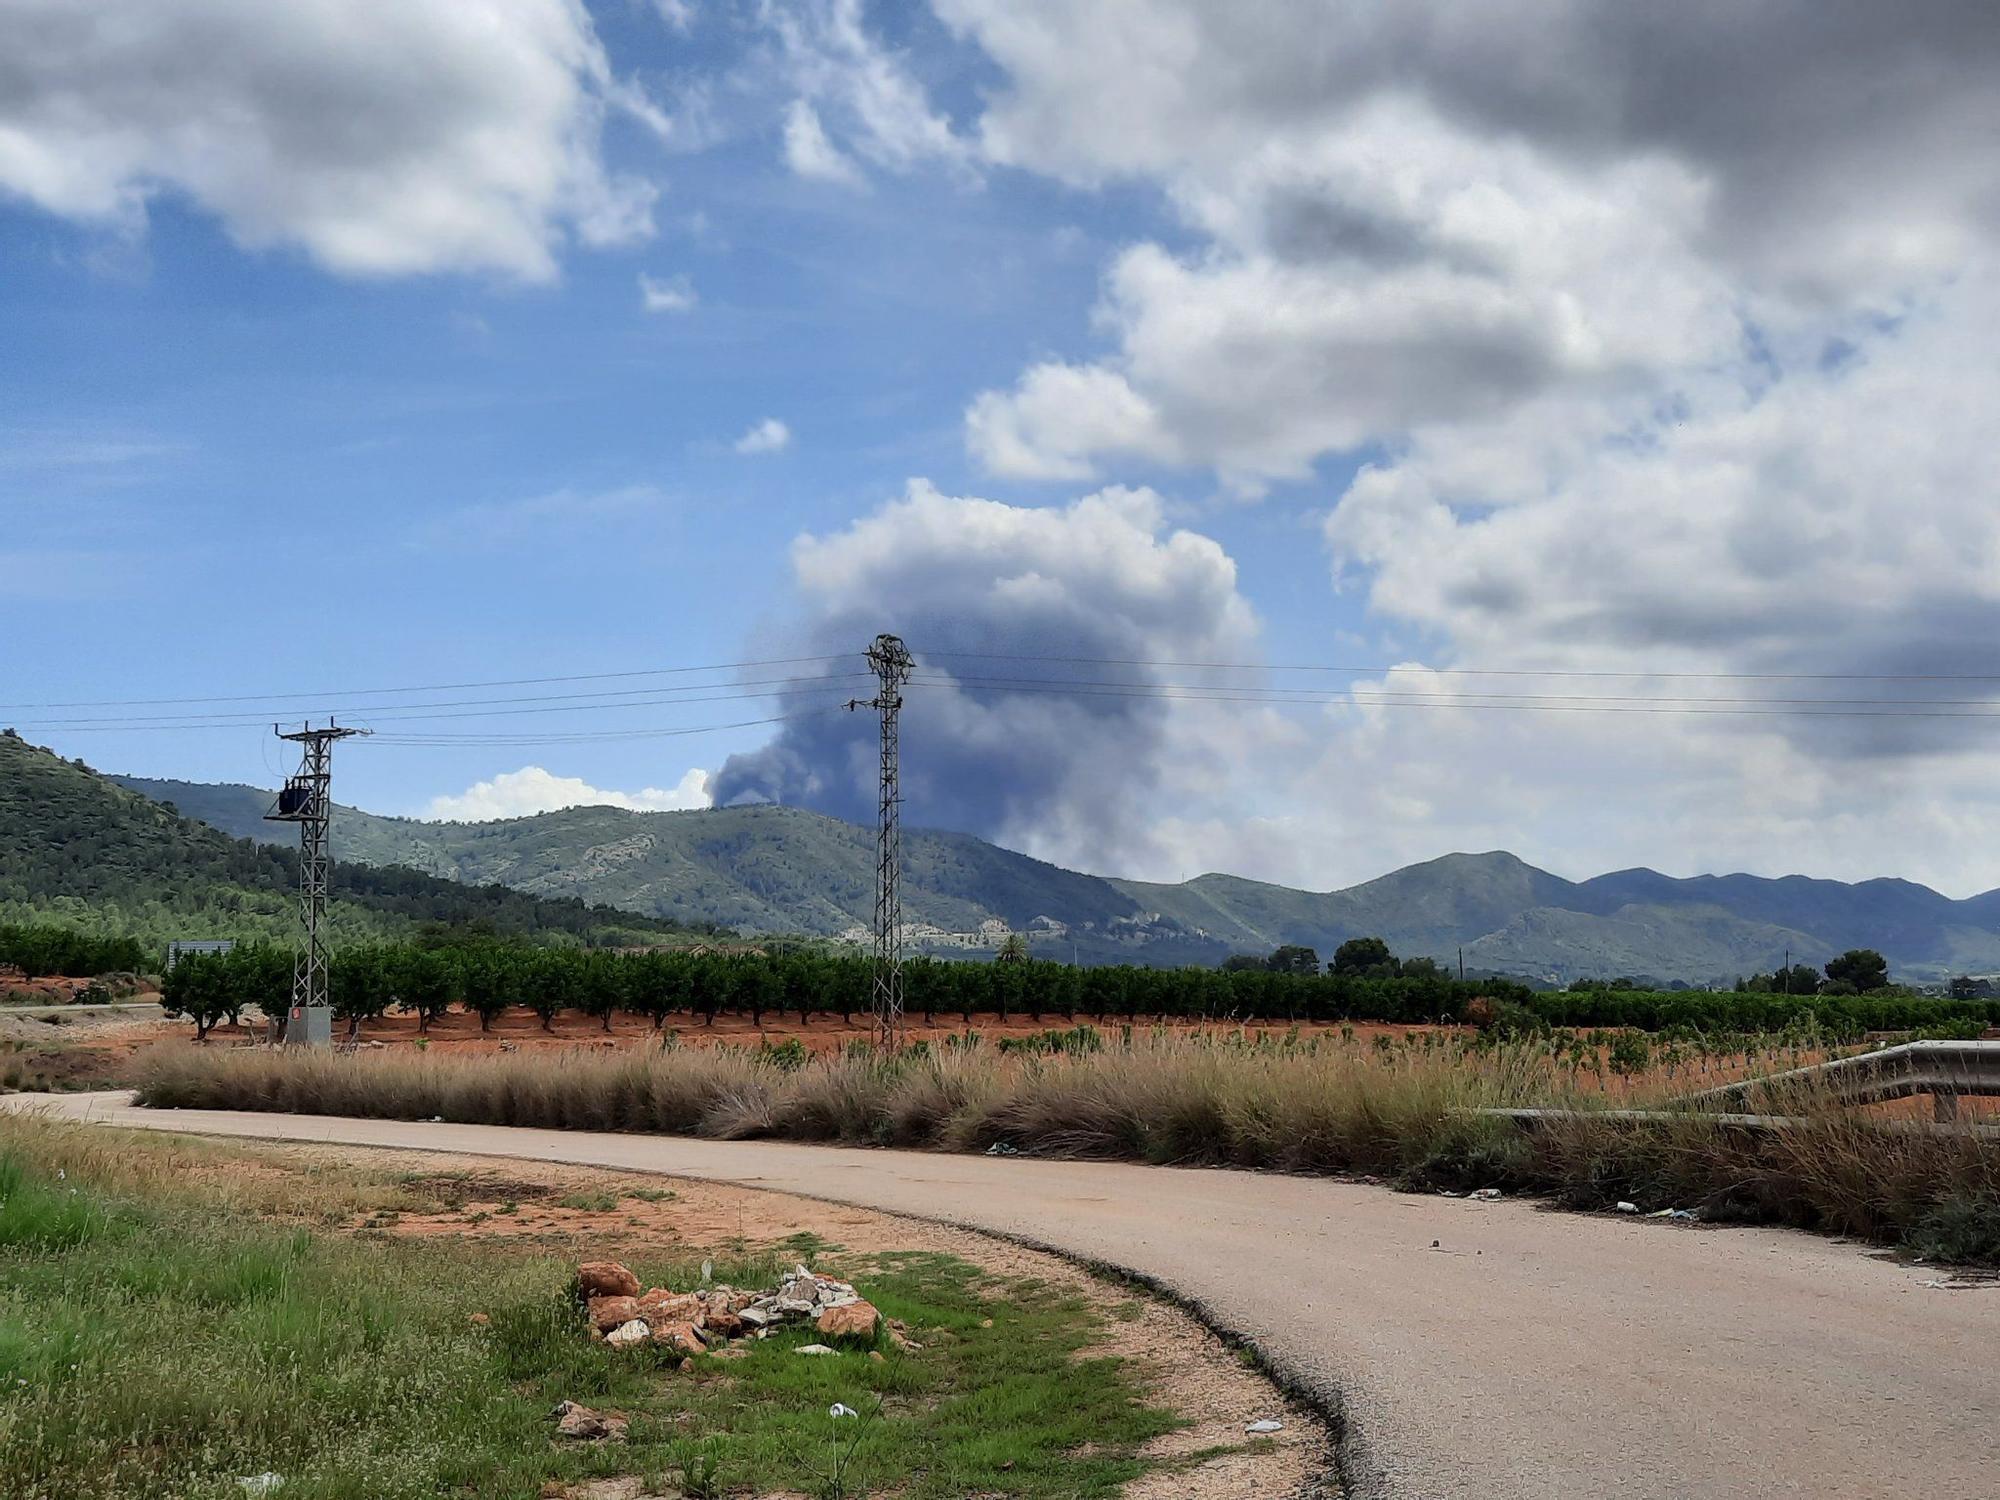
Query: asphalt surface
{"type": "Point", "coordinates": [1495, 1350]}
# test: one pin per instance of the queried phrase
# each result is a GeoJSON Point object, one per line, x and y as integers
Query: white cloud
{"type": "Point", "coordinates": [839, 72]}
{"type": "Point", "coordinates": [1662, 338]}
{"type": "Point", "coordinates": [1058, 419]}
{"type": "Point", "coordinates": [530, 790]}
{"type": "Point", "coordinates": [1406, 218]}
{"type": "Point", "coordinates": [678, 14]}
{"type": "Point", "coordinates": [673, 294]}
{"type": "Point", "coordinates": [809, 153]}
{"type": "Point", "coordinates": [767, 436]}
{"type": "Point", "coordinates": [1837, 516]}
{"type": "Point", "coordinates": [425, 136]}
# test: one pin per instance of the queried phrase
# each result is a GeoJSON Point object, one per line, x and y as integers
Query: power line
{"type": "Point", "coordinates": [1322, 695]}
{"type": "Point", "coordinates": [434, 687]}
{"type": "Point", "coordinates": [594, 737]}
{"type": "Point", "coordinates": [785, 687]}
{"type": "Point", "coordinates": [1370, 669]}
{"type": "Point", "coordinates": [1385, 701]}
{"type": "Point", "coordinates": [1380, 668]}
{"type": "Point", "coordinates": [397, 715]}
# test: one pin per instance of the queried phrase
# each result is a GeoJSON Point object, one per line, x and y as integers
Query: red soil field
{"type": "Point", "coordinates": [458, 1033]}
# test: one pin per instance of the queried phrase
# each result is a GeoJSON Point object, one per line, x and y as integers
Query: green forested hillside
{"type": "Point", "coordinates": [787, 870]}
{"type": "Point", "coordinates": [77, 848]}
{"type": "Point", "coordinates": [756, 869]}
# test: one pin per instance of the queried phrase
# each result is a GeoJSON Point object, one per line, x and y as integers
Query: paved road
{"type": "Point", "coordinates": [1477, 1349]}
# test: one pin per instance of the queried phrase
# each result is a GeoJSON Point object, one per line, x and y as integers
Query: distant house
{"type": "Point", "coordinates": [176, 950]}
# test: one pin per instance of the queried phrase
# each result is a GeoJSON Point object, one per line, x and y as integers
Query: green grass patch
{"type": "Point", "coordinates": [596, 1203]}
{"type": "Point", "coordinates": [155, 1344]}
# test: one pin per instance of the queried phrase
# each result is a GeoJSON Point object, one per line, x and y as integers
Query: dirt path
{"type": "Point", "coordinates": [1477, 1349]}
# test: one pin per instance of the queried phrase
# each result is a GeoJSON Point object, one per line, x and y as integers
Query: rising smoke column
{"type": "Point", "coordinates": [986, 748]}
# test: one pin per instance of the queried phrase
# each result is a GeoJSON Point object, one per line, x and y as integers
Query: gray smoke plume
{"type": "Point", "coordinates": [978, 589]}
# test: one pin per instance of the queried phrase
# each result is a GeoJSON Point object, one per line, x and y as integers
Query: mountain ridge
{"type": "Point", "coordinates": [80, 849]}
{"type": "Point", "coordinates": [783, 869]}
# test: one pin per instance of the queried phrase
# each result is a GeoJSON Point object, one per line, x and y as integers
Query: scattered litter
{"type": "Point", "coordinates": [1627, 1207]}
{"type": "Point", "coordinates": [1449, 1193]}
{"type": "Point", "coordinates": [1002, 1148]}
{"type": "Point", "coordinates": [1959, 1284]}
{"type": "Point", "coordinates": [841, 1409]}
{"type": "Point", "coordinates": [1266, 1424]}
{"type": "Point", "coordinates": [260, 1484]}
{"type": "Point", "coordinates": [1678, 1215]}
{"type": "Point", "coordinates": [812, 1349]}
{"type": "Point", "coordinates": [1487, 1195]}
{"type": "Point", "coordinates": [437, 1119]}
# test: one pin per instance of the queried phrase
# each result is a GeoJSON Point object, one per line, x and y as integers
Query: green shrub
{"type": "Point", "coordinates": [1963, 1229]}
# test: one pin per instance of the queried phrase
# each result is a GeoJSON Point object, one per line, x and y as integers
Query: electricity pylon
{"type": "Point", "coordinates": [306, 800]}
{"type": "Point", "coordinates": [891, 663]}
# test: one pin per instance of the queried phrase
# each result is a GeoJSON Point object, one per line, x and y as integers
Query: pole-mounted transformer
{"type": "Point", "coordinates": [306, 799]}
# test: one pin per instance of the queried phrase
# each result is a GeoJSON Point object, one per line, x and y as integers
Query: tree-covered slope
{"type": "Point", "coordinates": [1427, 909]}
{"type": "Point", "coordinates": [762, 869]}
{"type": "Point", "coordinates": [238, 810]}
{"type": "Point", "coordinates": [78, 848]}
{"type": "Point", "coordinates": [778, 869]}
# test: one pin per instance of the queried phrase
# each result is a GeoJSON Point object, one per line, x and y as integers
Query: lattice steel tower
{"type": "Point", "coordinates": [306, 800]}
{"type": "Point", "coordinates": [892, 663]}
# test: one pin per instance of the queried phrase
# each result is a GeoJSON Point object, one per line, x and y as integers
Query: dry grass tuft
{"type": "Point", "coordinates": [1408, 1113]}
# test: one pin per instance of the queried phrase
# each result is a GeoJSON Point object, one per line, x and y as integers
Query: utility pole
{"type": "Point", "coordinates": [1788, 971]}
{"type": "Point", "coordinates": [891, 662]}
{"type": "Point", "coordinates": [306, 800]}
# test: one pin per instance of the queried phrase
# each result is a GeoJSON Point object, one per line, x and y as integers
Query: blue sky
{"type": "Point", "coordinates": [330, 365]}
{"type": "Point", "coordinates": [483, 479]}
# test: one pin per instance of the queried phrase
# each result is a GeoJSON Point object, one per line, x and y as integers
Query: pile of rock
{"type": "Point", "coordinates": [692, 1322]}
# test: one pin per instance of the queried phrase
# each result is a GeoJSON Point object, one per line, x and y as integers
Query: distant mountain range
{"type": "Point", "coordinates": [785, 870]}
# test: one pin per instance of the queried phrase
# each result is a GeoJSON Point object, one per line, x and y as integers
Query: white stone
{"type": "Point", "coordinates": [627, 1335]}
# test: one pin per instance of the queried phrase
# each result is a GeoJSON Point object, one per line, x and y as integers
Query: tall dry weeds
{"type": "Point", "coordinates": [1410, 1114]}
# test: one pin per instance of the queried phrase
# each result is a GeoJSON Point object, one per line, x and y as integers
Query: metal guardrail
{"type": "Point", "coordinates": [1947, 1071]}
{"type": "Point", "coordinates": [1531, 1118]}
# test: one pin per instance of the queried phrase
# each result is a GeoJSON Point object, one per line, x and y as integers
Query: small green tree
{"type": "Point", "coordinates": [1630, 1054]}
{"type": "Point", "coordinates": [198, 988]}
{"type": "Point", "coordinates": [1295, 958]}
{"type": "Point", "coordinates": [554, 984]}
{"type": "Point", "coordinates": [1863, 968]}
{"type": "Point", "coordinates": [426, 982]}
{"type": "Point", "coordinates": [360, 985]}
{"type": "Point", "coordinates": [1365, 958]}
{"type": "Point", "coordinates": [491, 980]}
{"type": "Point", "coordinates": [601, 985]}
{"type": "Point", "coordinates": [1799, 979]}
